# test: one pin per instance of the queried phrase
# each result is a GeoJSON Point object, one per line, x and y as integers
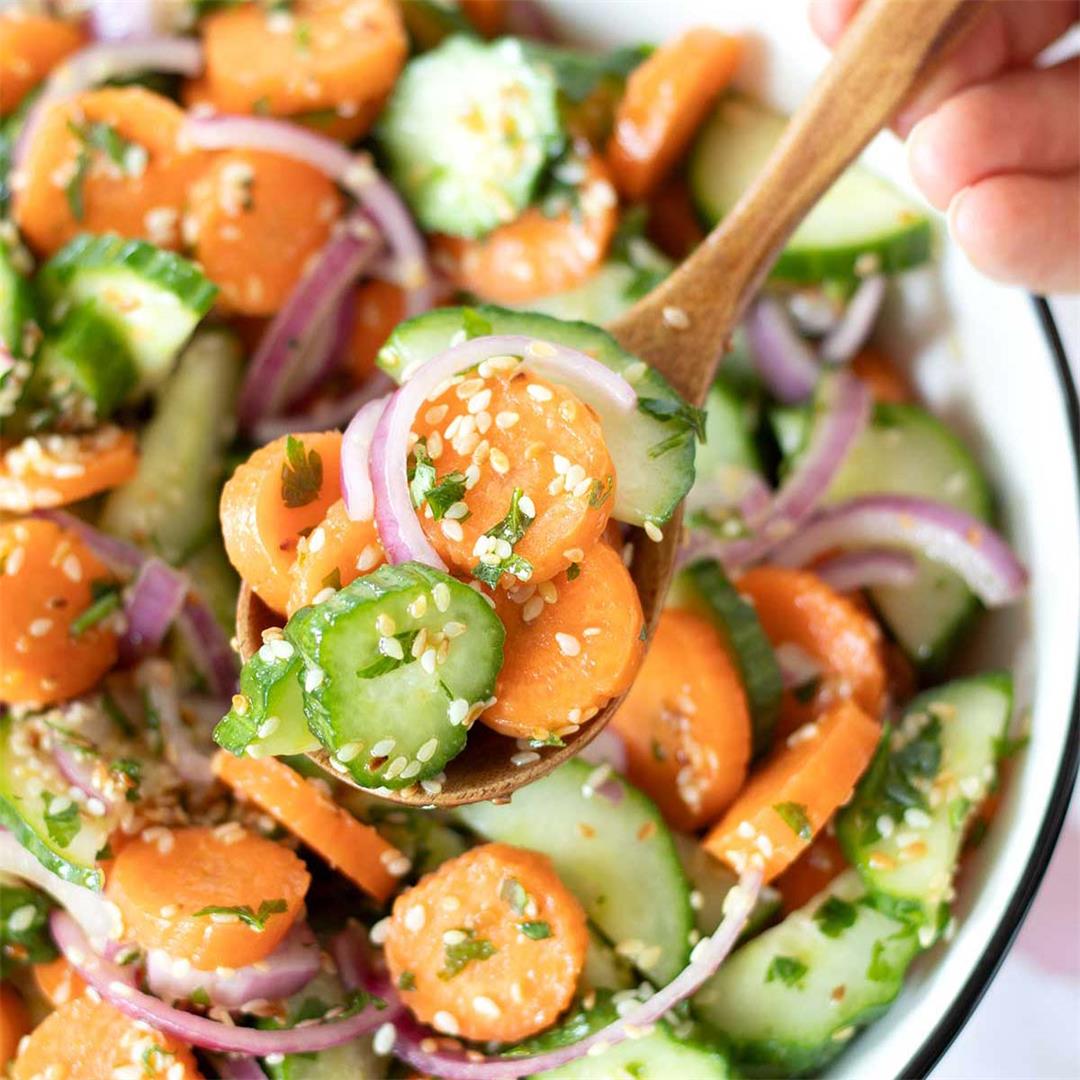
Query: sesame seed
{"type": "Point", "coordinates": [435, 446]}
{"type": "Point", "coordinates": [349, 751]}
{"type": "Point", "coordinates": [653, 532]}
{"type": "Point", "coordinates": [885, 825]}
{"type": "Point", "coordinates": [568, 644]}
{"type": "Point", "coordinates": [506, 419]}
{"type": "Point", "coordinates": [524, 757]}
{"type": "Point", "coordinates": [452, 530]}
{"type": "Point", "coordinates": [390, 646]}
{"type": "Point", "coordinates": [385, 625]}
{"type": "Point", "coordinates": [633, 372]}
{"type": "Point", "coordinates": [368, 558]}
{"type": "Point", "coordinates": [538, 392]}
{"type": "Point", "coordinates": [457, 711]}
{"type": "Point", "coordinates": [485, 1006]}
{"type": "Point", "coordinates": [540, 350]}
{"type": "Point", "coordinates": [379, 931]}
{"type": "Point", "coordinates": [317, 540]}
{"type": "Point", "coordinates": [384, 1039]}
{"type": "Point", "coordinates": [281, 649]}
{"type": "Point", "coordinates": [445, 1022]}
{"type": "Point", "coordinates": [313, 679]}
{"type": "Point", "coordinates": [395, 767]}
{"type": "Point", "coordinates": [22, 918]}
{"type": "Point", "coordinates": [427, 751]}
{"type": "Point", "coordinates": [480, 401]}
{"type": "Point", "coordinates": [411, 770]}
{"type": "Point", "coordinates": [532, 608]}
{"type": "Point", "coordinates": [675, 317]}
{"type": "Point", "coordinates": [415, 918]}
{"type": "Point", "coordinates": [323, 595]}
{"type": "Point", "coordinates": [441, 595]}
{"type": "Point", "coordinates": [268, 727]}
{"type": "Point", "coordinates": [383, 748]}
{"type": "Point", "coordinates": [428, 660]}
{"type": "Point", "coordinates": [40, 627]}
{"type": "Point", "coordinates": [499, 462]}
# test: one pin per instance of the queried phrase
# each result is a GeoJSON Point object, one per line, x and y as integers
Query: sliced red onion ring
{"type": "Point", "coordinates": [853, 330]}
{"type": "Point", "coordinates": [399, 529]}
{"type": "Point", "coordinates": [120, 556]}
{"type": "Point", "coordinates": [77, 770]}
{"type": "Point", "coordinates": [797, 666]}
{"type": "Point", "coordinates": [122, 20]}
{"type": "Point", "coordinates": [935, 530]}
{"type": "Point", "coordinates": [288, 969]}
{"type": "Point", "coordinates": [784, 361]}
{"type": "Point", "coordinates": [356, 461]}
{"type": "Point", "coordinates": [412, 1039]}
{"type": "Point", "coordinates": [328, 412]}
{"type": "Point", "coordinates": [354, 172]}
{"type": "Point", "coordinates": [326, 351]}
{"type": "Point", "coordinates": [157, 680]}
{"type": "Point", "coordinates": [851, 570]}
{"type": "Point", "coordinates": [98, 917]}
{"type": "Point", "coordinates": [607, 748]}
{"type": "Point", "coordinates": [313, 305]}
{"type": "Point", "coordinates": [116, 985]}
{"type": "Point", "coordinates": [110, 60]}
{"type": "Point", "coordinates": [152, 605]}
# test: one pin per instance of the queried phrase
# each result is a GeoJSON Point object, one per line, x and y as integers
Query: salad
{"type": "Point", "coordinates": [305, 300]}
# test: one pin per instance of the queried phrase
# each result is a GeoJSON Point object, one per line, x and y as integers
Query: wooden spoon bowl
{"type": "Point", "coordinates": [682, 326]}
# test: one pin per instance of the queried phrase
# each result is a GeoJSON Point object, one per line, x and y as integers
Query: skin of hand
{"type": "Point", "coordinates": [994, 140]}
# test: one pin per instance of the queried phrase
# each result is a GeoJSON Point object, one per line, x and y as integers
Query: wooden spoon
{"type": "Point", "coordinates": [682, 326]}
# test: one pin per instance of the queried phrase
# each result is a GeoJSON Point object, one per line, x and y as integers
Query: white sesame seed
{"type": "Point", "coordinates": [436, 414]}
{"type": "Point", "coordinates": [390, 646]}
{"type": "Point", "coordinates": [452, 529]}
{"type": "Point", "coordinates": [281, 649]}
{"type": "Point", "coordinates": [653, 532]}
{"type": "Point", "coordinates": [568, 644]}
{"type": "Point", "coordinates": [368, 558]}
{"type": "Point", "coordinates": [40, 627]}
{"type": "Point", "coordinates": [445, 1022]}
{"type": "Point", "coordinates": [480, 401]}
{"type": "Point", "coordinates": [415, 918]}
{"type": "Point", "coordinates": [457, 711]}
{"type": "Point", "coordinates": [675, 317]}
{"type": "Point", "coordinates": [885, 825]}
{"type": "Point", "coordinates": [538, 392]}
{"type": "Point", "coordinates": [633, 372]}
{"type": "Point", "coordinates": [441, 595]}
{"type": "Point", "coordinates": [395, 767]}
{"type": "Point", "coordinates": [379, 931]}
{"type": "Point", "coordinates": [916, 818]}
{"type": "Point", "coordinates": [317, 540]}
{"type": "Point", "coordinates": [486, 1007]}
{"type": "Point", "coordinates": [428, 660]}
{"type": "Point", "coordinates": [384, 1039]}
{"type": "Point", "coordinates": [411, 770]}
{"type": "Point", "coordinates": [313, 679]}
{"type": "Point", "coordinates": [499, 462]}
{"type": "Point", "coordinates": [22, 918]}
{"type": "Point", "coordinates": [349, 751]}
{"type": "Point", "coordinates": [524, 757]}
{"type": "Point", "coordinates": [385, 624]}
{"type": "Point", "coordinates": [427, 751]}
{"type": "Point", "coordinates": [323, 595]}
{"type": "Point", "coordinates": [268, 727]}
{"type": "Point", "coordinates": [532, 608]}
{"type": "Point", "coordinates": [383, 748]}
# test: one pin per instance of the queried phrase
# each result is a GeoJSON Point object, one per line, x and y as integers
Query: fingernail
{"type": "Point", "coordinates": [953, 212]}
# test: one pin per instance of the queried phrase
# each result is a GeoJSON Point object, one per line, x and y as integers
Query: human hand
{"type": "Point", "coordinates": [995, 141]}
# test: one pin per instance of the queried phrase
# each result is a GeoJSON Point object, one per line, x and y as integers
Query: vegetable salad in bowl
{"type": "Point", "coordinates": [305, 301]}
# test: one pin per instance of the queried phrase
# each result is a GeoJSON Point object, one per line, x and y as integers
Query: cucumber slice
{"type": "Point", "coordinates": [862, 224]}
{"type": "Point", "coordinates": [171, 505]}
{"type": "Point", "coordinates": [364, 691]}
{"type": "Point", "coordinates": [36, 808]}
{"type": "Point", "coordinates": [153, 298]}
{"type": "Point", "coordinates": [84, 371]}
{"type": "Point", "coordinates": [792, 998]}
{"type": "Point", "coordinates": [654, 458]}
{"type": "Point", "coordinates": [703, 587]}
{"type": "Point", "coordinates": [605, 853]}
{"type": "Point", "coordinates": [467, 133]}
{"type": "Point", "coordinates": [905, 825]}
{"type": "Point", "coordinates": [19, 331]}
{"type": "Point", "coordinates": [272, 721]}
{"type": "Point", "coordinates": [729, 436]}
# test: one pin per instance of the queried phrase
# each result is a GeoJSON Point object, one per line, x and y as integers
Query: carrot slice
{"type": "Point", "coordinates": [338, 551]}
{"type": "Point", "coordinates": [885, 380]}
{"type": "Point", "coordinates": [258, 219]}
{"type": "Point", "coordinates": [271, 501]}
{"type": "Point", "coordinates": [536, 255]}
{"type": "Point", "coordinates": [685, 722]}
{"type": "Point", "coordinates": [572, 644]}
{"type": "Point", "coordinates": [354, 849]}
{"type": "Point", "coordinates": [811, 872]}
{"type": "Point", "coordinates": [58, 981]}
{"type": "Point", "coordinates": [90, 1039]}
{"type": "Point", "coordinates": [60, 469]}
{"type": "Point", "coordinates": [162, 886]}
{"type": "Point", "coordinates": [797, 608]}
{"type": "Point", "coordinates": [51, 649]}
{"type": "Point", "coordinates": [530, 436]}
{"type": "Point", "coordinates": [489, 946]}
{"type": "Point", "coordinates": [673, 223]}
{"type": "Point", "coordinates": [666, 99]}
{"type": "Point", "coordinates": [795, 792]}
{"type": "Point", "coordinates": [14, 1023]}
{"type": "Point", "coordinates": [142, 195]}
{"type": "Point", "coordinates": [320, 54]}
{"type": "Point", "coordinates": [378, 307]}
{"type": "Point", "coordinates": [30, 47]}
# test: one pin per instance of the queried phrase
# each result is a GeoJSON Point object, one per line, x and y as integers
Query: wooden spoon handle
{"type": "Point", "coordinates": [879, 58]}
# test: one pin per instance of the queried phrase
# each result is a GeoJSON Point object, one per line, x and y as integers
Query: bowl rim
{"type": "Point", "coordinates": [982, 974]}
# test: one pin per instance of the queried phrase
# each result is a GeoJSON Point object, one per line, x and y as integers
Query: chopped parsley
{"type": "Point", "coordinates": [537, 930]}
{"type": "Point", "coordinates": [301, 474]}
{"type": "Point", "coordinates": [835, 916]}
{"type": "Point", "coordinates": [1006, 746]}
{"type": "Point", "coordinates": [302, 34]}
{"type": "Point", "coordinates": [155, 1060]}
{"type": "Point", "coordinates": [600, 491]}
{"type": "Point", "coordinates": [794, 817]}
{"type": "Point", "coordinates": [462, 953]}
{"type": "Point", "coordinates": [200, 997]}
{"type": "Point", "coordinates": [959, 808]}
{"type": "Point", "coordinates": [132, 770]}
{"type": "Point", "coordinates": [879, 969]}
{"type": "Point", "coordinates": [422, 475]}
{"type": "Point", "coordinates": [105, 599]}
{"type": "Point", "coordinates": [424, 485]}
{"type": "Point", "coordinates": [406, 981]}
{"type": "Point", "coordinates": [787, 969]}
{"type": "Point", "coordinates": [686, 416]}
{"type": "Point", "coordinates": [511, 529]}
{"type": "Point", "coordinates": [29, 939]}
{"type": "Point", "coordinates": [62, 824]}
{"type": "Point", "coordinates": [101, 138]}
{"type": "Point", "coordinates": [257, 920]}
{"type": "Point", "coordinates": [573, 571]}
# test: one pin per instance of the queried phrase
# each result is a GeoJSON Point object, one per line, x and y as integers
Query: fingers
{"type": "Point", "coordinates": [1024, 121]}
{"type": "Point", "coordinates": [1022, 230]}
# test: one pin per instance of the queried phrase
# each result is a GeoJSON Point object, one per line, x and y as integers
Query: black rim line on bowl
{"type": "Point", "coordinates": [978, 982]}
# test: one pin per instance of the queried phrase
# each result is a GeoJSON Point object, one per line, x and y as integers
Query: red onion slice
{"type": "Point", "coordinates": [116, 985]}
{"type": "Point", "coordinates": [312, 306]}
{"type": "Point", "coordinates": [356, 461]}
{"type": "Point", "coordinates": [354, 172]}
{"type": "Point", "coordinates": [851, 570]}
{"type": "Point", "coordinates": [327, 350]}
{"type": "Point", "coordinates": [853, 330]}
{"type": "Point", "coordinates": [158, 682]}
{"type": "Point", "coordinates": [151, 606]}
{"type": "Point", "coordinates": [77, 769]}
{"type": "Point", "coordinates": [412, 1039]}
{"type": "Point", "coordinates": [935, 530]}
{"type": "Point", "coordinates": [98, 917]}
{"type": "Point", "coordinates": [784, 361]}
{"type": "Point", "coordinates": [120, 556]}
{"type": "Point", "coordinates": [399, 529]}
{"type": "Point", "coordinates": [287, 970]}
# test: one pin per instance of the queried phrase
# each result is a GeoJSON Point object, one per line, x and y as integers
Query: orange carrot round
{"type": "Point", "coordinates": [378, 308]}
{"type": "Point", "coordinates": [685, 722]}
{"type": "Point", "coordinates": [258, 219]}
{"type": "Point", "coordinates": [811, 872]}
{"type": "Point", "coordinates": [530, 435]}
{"type": "Point", "coordinates": [14, 1023]}
{"type": "Point", "coordinates": [666, 99]}
{"type": "Point", "coordinates": [271, 500]}
{"type": "Point", "coordinates": [572, 644]}
{"type": "Point", "coordinates": [797, 608]}
{"type": "Point", "coordinates": [58, 981]}
{"type": "Point", "coordinates": [220, 897]}
{"type": "Point", "coordinates": [489, 946]}
{"type": "Point", "coordinates": [887, 383]}
{"type": "Point", "coordinates": [89, 1038]}
{"type": "Point", "coordinates": [60, 469]}
{"type": "Point", "coordinates": [48, 650]}
{"type": "Point", "coordinates": [354, 849]}
{"type": "Point", "coordinates": [536, 255]}
{"type": "Point", "coordinates": [798, 788]}
{"type": "Point", "coordinates": [318, 54]}
{"type": "Point", "coordinates": [30, 47]}
{"type": "Point", "coordinates": [142, 195]}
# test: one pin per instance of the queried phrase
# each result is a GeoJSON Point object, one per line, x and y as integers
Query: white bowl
{"type": "Point", "coordinates": [989, 359]}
